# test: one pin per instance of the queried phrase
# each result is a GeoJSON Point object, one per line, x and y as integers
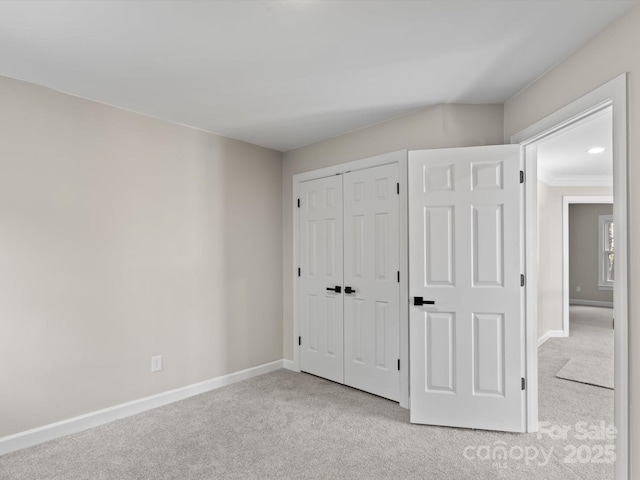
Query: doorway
{"type": "Point", "coordinates": [574, 166]}
{"type": "Point", "coordinates": [572, 291]}
{"type": "Point", "coordinates": [576, 351]}
{"type": "Point", "coordinates": [611, 95]}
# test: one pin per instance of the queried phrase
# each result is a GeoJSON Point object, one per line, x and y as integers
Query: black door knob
{"type": "Point", "coordinates": [336, 289]}
{"type": "Point", "coordinates": [421, 301]}
{"type": "Point", "coordinates": [349, 290]}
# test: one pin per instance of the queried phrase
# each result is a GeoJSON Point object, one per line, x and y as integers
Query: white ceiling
{"type": "Point", "coordinates": [283, 74]}
{"type": "Point", "coordinates": [563, 158]}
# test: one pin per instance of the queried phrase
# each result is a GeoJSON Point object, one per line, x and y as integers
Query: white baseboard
{"type": "Point", "coordinates": [590, 303]}
{"type": "Point", "coordinates": [548, 335]}
{"type": "Point", "coordinates": [52, 431]}
{"type": "Point", "coordinates": [289, 365]}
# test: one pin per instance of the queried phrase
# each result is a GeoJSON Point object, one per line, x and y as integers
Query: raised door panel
{"type": "Point", "coordinates": [488, 358]}
{"type": "Point", "coordinates": [439, 337]}
{"type": "Point", "coordinates": [488, 245]}
{"type": "Point", "coordinates": [439, 251]}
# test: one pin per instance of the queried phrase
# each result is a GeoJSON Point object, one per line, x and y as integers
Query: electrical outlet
{"type": "Point", "coordinates": [578, 289]}
{"type": "Point", "coordinates": [156, 363]}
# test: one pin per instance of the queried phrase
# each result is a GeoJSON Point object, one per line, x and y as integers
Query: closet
{"type": "Point", "coordinates": [349, 292]}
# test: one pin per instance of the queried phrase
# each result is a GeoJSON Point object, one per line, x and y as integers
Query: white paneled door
{"type": "Point", "coordinates": [371, 294]}
{"type": "Point", "coordinates": [357, 212]}
{"type": "Point", "coordinates": [466, 261]}
{"type": "Point", "coordinates": [321, 274]}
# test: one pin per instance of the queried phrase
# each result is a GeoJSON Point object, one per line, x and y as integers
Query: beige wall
{"type": "Point", "coordinates": [123, 237]}
{"type": "Point", "coordinates": [584, 252]}
{"type": "Point", "coordinates": [608, 55]}
{"type": "Point", "coordinates": [435, 127]}
{"type": "Point", "coordinates": [550, 251]}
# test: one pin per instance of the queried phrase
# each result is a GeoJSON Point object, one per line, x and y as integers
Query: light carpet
{"type": "Point", "coordinates": [287, 425]}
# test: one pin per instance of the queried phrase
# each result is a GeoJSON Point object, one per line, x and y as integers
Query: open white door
{"type": "Point", "coordinates": [321, 273]}
{"type": "Point", "coordinates": [466, 261]}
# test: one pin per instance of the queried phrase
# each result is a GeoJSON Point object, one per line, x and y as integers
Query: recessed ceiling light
{"type": "Point", "coordinates": [595, 150]}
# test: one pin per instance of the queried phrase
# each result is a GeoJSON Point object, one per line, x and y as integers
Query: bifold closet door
{"type": "Point", "coordinates": [321, 278]}
{"type": "Point", "coordinates": [371, 288]}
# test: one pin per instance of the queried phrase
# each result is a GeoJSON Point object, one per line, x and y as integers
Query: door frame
{"type": "Point", "coordinates": [612, 94]}
{"type": "Point", "coordinates": [566, 201]}
{"type": "Point", "coordinates": [397, 157]}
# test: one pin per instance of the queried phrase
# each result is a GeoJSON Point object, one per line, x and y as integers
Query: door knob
{"type": "Point", "coordinates": [419, 301]}
{"type": "Point", "coordinates": [336, 289]}
{"type": "Point", "coordinates": [349, 290]}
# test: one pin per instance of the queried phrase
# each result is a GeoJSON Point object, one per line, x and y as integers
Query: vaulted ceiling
{"type": "Point", "coordinates": [284, 74]}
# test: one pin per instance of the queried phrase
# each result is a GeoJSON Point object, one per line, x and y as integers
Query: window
{"type": "Point", "coordinates": [606, 264]}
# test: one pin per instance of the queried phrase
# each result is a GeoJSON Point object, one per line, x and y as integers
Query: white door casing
{"type": "Point", "coordinates": [466, 255]}
{"type": "Point", "coordinates": [371, 253]}
{"type": "Point", "coordinates": [321, 255]}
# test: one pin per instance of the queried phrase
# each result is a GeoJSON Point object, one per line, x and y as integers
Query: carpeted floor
{"type": "Point", "coordinates": [296, 426]}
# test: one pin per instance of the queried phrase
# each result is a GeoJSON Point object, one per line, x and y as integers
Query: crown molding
{"type": "Point", "coordinates": [575, 180]}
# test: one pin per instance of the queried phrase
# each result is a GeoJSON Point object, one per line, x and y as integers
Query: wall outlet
{"type": "Point", "coordinates": [156, 363]}
{"type": "Point", "coordinates": [578, 289]}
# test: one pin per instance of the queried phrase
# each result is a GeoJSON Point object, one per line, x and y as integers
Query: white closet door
{"type": "Point", "coordinates": [321, 309]}
{"type": "Point", "coordinates": [465, 256]}
{"type": "Point", "coordinates": [371, 252]}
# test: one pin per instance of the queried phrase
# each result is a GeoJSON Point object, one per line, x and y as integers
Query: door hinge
{"type": "Point", "coordinates": [298, 272]}
{"type": "Point", "coordinates": [398, 188]}
{"type": "Point", "coordinates": [300, 342]}
{"type": "Point", "coordinates": [398, 276]}
{"type": "Point", "coordinates": [521, 176]}
{"type": "Point", "coordinates": [522, 280]}
{"type": "Point", "coordinates": [298, 203]}
{"type": "Point", "coordinates": [398, 364]}
{"type": "Point", "coordinates": [523, 383]}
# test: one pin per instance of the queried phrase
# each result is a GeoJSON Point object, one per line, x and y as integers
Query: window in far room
{"type": "Point", "coordinates": [606, 270]}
